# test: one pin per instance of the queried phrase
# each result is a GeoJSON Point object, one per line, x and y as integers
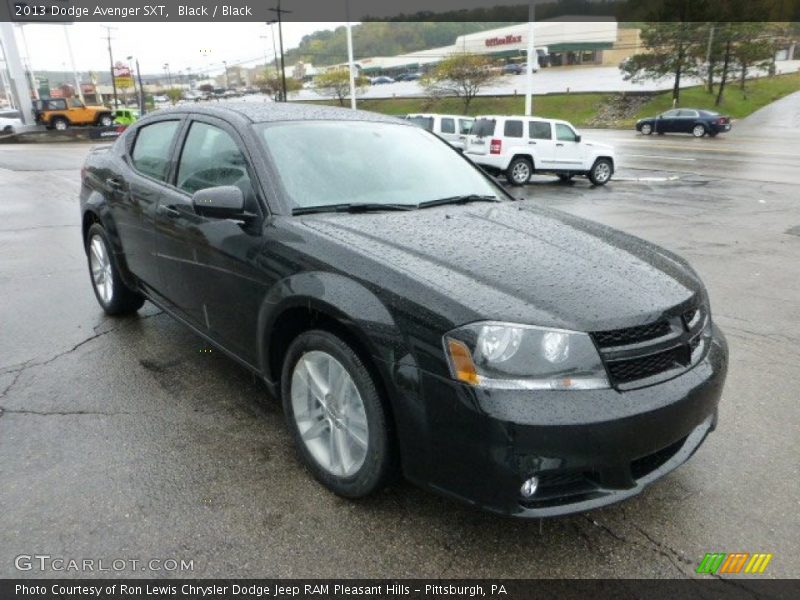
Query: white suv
{"type": "Point", "coordinates": [521, 146]}
{"type": "Point", "coordinates": [453, 129]}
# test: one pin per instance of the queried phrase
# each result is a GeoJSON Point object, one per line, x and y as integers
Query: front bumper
{"type": "Point", "coordinates": [588, 448]}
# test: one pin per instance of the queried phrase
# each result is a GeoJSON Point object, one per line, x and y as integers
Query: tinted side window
{"type": "Point", "coordinates": [513, 129]}
{"type": "Point", "coordinates": [540, 130]}
{"type": "Point", "coordinates": [465, 126]}
{"type": "Point", "coordinates": [424, 122]}
{"type": "Point", "coordinates": [670, 113]}
{"type": "Point", "coordinates": [564, 133]}
{"type": "Point", "coordinates": [210, 158]}
{"type": "Point", "coordinates": [448, 126]}
{"type": "Point", "coordinates": [151, 149]}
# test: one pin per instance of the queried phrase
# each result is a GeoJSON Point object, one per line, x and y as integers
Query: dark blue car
{"type": "Point", "coordinates": [696, 121]}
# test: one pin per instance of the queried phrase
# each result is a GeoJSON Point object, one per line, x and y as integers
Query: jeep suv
{"type": "Point", "coordinates": [61, 113]}
{"type": "Point", "coordinates": [521, 146]}
{"type": "Point", "coordinates": [453, 129]}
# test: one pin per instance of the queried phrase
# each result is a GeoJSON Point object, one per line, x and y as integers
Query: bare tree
{"type": "Point", "coordinates": [461, 75]}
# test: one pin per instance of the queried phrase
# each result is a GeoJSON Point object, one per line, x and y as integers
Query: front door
{"type": "Point", "coordinates": [210, 265]}
{"type": "Point", "coordinates": [667, 122]}
{"type": "Point", "coordinates": [570, 153]}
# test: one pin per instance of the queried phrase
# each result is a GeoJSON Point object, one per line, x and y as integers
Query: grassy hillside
{"type": "Point", "coordinates": [583, 109]}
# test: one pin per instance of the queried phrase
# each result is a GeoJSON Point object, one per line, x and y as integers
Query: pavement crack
{"type": "Point", "coordinates": [61, 413]}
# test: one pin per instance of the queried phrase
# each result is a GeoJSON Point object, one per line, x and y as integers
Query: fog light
{"type": "Point", "coordinates": [529, 487]}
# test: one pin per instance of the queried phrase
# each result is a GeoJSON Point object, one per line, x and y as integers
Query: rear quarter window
{"type": "Point", "coordinates": [513, 129]}
{"type": "Point", "coordinates": [448, 125]}
{"type": "Point", "coordinates": [424, 122]}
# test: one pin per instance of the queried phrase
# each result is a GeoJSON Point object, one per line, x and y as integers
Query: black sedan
{"type": "Point", "coordinates": [696, 121]}
{"type": "Point", "coordinates": [411, 315]}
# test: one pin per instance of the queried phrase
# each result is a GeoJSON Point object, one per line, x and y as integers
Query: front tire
{"type": "Point", "coordinates": [519, 171]}
{"type": "Point", "coordinates": [601, 171]}
{"type": "Point", "coordinates": [699, 130]}
{"type": "Point", "coordinates": [106, 121]}
{"type": "Point", "coordinates": [336, 415]}
{"type": "Point", "coordinates": [647, 129]}
{"type": "Point", "coordinates": [114, 296]}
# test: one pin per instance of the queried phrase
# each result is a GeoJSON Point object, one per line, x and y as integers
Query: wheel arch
{"type": "Point", "coordinates": [94, 211]}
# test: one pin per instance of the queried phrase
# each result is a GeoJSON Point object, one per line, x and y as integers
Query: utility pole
{"type": "Point", "coordinates": [169, 75]}
{"type": "Point", "coordinates": [274, 48]}
{"type": "Point", "coordinates": [227, 79]}
{"type": "Point", "coordinates": [710, 67]}
{"type": "Point", "coordinates": [529, 65]}
{"type": "Point", "coordinates": [111, 62]}
{"type": "Point", "coordinates": [133, 80]}
{"type": "Point", "coordinates": [280, 11]}
{"type": "Point", "coordinates": [350, 66]}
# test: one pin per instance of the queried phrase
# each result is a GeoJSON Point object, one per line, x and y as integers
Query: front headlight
{"type": "Point", "coordinates": [510, 356]}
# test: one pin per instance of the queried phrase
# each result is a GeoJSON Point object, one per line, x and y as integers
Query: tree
{"type": "Point", "coordinates": [274, 86]}
{"type": "Point", "coordinates": [672, 49]}
{"type": "Point", "coordinates": [174, 94]}
{"type": "Point", "coordinates": [461, 75]}
{"type": "Point", "coordinates": [335, 83]}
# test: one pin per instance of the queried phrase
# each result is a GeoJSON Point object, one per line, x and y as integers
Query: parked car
{"type": "Point", "coordinates": [518, 147]}
{"type": "Point", "coordinates": [696, 121]}
{"type": "Point", "coordinates": [381, 80]}
{"type": "Point", "coordinates": [125, 116]}
{"type": "Point", "coordinates": [409, 77]}
{"type": "Point", "coordinates": [63, 113]}
{"type": "Point", "coordinates": [10, 121]}
{"type": "Point", "coordinates": [451, 128]}
{"type": "Point", "coordinates": [409, 313]}
{"type": "Point", "coordinates": [513, 69]}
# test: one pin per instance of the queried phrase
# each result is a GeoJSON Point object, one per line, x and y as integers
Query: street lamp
{"type": "Point", "coordinates": [169, 75]}
{"type": "Point", "coordinates": [133, 80]}
{"type": "Point", "coordinates": [227, 79]}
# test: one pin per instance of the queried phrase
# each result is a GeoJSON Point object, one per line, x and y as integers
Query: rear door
{"type": "Point", "coordinates": [542, 144]}
{"type": "Point", "coordinates": [209, 264]}
{"type": "Point", "coordinates": [686, 120]}
{"type": "Point", "coordinates": [135, 191]}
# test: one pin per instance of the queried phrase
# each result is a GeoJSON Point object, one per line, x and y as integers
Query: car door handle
{"type": "Point", "coordinates": [534, 143]}
{"type": "Point", "coordinates": [114, 183]}
{"type": "Point", "coordinates": [559, 144]}
{"type": "Point", "coordinates": [169, 211]}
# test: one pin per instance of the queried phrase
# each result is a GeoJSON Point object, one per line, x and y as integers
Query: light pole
{"type": "Point", "coordinates": [78, 89]}
{"type": "Point", "coordinates": [142, 107]}
{"type": "Point", "coordinates": [350, 66]}
{"type": "Point", "coordinates": [169, 75]}
{"type": "Point", "coordinates": [111, 61]}
{"type": "Point", "coordinates": [529, 66]}
{"type": "Point", "coordinates": [133, 81]}
{"type": "Point", "coordinates": [227, 79]}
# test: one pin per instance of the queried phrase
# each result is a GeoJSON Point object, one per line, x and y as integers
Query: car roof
{"type": "Point", "coordinates": [535, 117]}
{"type": "Point", "coordinates": [272, 112]}
{"type": "Point", "coordinates": [438, 115]}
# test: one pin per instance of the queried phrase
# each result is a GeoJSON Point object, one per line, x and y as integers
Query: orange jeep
{"type": "Point", "coordinates": [61, 113]}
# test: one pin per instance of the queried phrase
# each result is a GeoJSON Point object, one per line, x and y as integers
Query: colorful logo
{"type": "Point", "coordinates": [720, 563]}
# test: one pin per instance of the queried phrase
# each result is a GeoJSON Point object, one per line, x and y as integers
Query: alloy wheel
{"type": "Point", "coordinates": [602, 172]}
{"type": "Point", "coordinates": [647, 129]}
{"type": "Point", "coordinates": [520, 173]}
{"type": "Point", "coordinates": [698, 131]}
{"type": "Point", "coordinates": [102, 273]}
{"type": "Point", "coordinates": [329, 413]}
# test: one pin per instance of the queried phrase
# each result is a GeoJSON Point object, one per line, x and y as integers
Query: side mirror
{"type": "Point", "coordinates": [577, 138]}
{"type": "Point", "coordinates": [221, 202]}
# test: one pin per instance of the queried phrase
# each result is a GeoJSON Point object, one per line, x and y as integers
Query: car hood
{"type": "Point", "coordinates": [515, 261]}
{"type": "Point", "coordinates": [600, 146]}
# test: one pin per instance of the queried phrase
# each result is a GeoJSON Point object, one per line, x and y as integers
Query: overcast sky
{"type": "Point", "coordinates": [182, 45]}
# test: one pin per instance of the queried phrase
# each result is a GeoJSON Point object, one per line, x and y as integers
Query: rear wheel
{"type": "Point", "coordinates": [114, 296]}
{"type": "Point", "coordinates": [106, 121]}
{"type": "Point", "coordinates": [519, 171]}
{"type": "Point", "coordinates": [699, 130]}
{"type": "Point", "coordinates": [336, 415]}
{"type": "Point", "coordinates": [601, 171]}
{"type": "Point", "coordinates": [60, 123]}
{"type": "Point", "coordinates": [647, 129]}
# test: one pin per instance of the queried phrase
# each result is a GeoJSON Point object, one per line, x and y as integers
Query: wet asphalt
{"type": "Point", "coordinates": [128, 439]}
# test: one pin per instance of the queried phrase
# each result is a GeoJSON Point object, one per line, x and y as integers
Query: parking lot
{"type": "Point", "coordinates": [128, 438]}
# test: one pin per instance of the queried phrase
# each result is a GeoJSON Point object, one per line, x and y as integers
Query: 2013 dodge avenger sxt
{"type": "Point", "coordinates": [411, 315]}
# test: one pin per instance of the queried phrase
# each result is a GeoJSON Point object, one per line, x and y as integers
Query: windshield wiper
{"type": "Point", "coordinates": [458, 200]}
{"type": "Point", "coordinates": [351, 208]}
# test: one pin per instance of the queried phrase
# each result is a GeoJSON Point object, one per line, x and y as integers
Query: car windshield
{"type": "Point", "coordinates": [330, 163]}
